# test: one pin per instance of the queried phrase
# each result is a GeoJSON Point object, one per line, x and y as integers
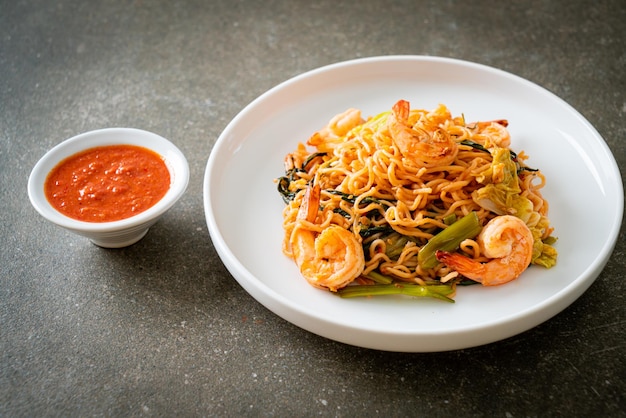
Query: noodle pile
{"type": "Point", "coordinates": [395, 204]}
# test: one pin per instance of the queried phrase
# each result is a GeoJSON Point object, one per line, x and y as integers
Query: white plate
{"type": "Point", "coordinates": [243, 208]}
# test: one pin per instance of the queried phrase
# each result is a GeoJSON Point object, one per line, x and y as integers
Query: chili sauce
{"type": "Point", "coordinates": [107, 183]}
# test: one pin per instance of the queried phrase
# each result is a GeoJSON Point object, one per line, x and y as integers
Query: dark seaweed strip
{"type": "Point", "coordinates": [475, 145]}
{"type": "Point", "coordinates": [283, 189]}
{"type": "Point", "coordinates": [342, 212]}
{"type": "Point", "coordinates": [352, 199]}
{"type": "Point", "coordinates": [513, 154]}
{"type": "Point", "coordinates": [520, 169]}
{"type": "Point", "coordinates": [311, 158]}
{"type": "Point", "coordinates": [368, 232]}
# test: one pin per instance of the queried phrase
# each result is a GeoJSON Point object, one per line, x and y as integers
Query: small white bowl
{"type": "Point", "coordinates": [125, 232]}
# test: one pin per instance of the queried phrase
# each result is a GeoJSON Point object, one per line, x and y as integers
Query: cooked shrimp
{"type": "Point", "coordinates": [507, 241]}
{"type": "Point", "coordinates": [417, 144]}
{"type": "Point", "coordinates": [337, 128]}
{"type": "Point", "coordinates": [296, 158]}
{"type": "Point", "coordinates": [330, 259]}
{"type": "Point", "coordinates": [492, 133]}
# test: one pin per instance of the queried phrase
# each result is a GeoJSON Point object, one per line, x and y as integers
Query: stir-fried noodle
{"type": "Point", "coordinates": [395, 181]}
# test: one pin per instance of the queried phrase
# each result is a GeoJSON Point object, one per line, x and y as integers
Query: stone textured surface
{"type": "Point", "coordinates": [161, 328]}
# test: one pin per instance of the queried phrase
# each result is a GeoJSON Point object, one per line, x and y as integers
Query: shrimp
{"type": "Point", "coordinates": [493, 132]}
{"type": "Point", "coordinates": [337, 128]}
{"type": "Point", "coordinates": [416, 144]}
{"type": "Point", "coordinates": [507, 241]}
{"type": "Point", "coordinates": [296, 159]}
{"type": "Point", "coordinates": [331, 259]}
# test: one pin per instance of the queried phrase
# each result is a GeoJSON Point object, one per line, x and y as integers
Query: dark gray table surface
{"type": "Point", "coordinates": [161, 327]}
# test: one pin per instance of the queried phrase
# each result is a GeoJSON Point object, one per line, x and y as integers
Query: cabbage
{"type": "Point", "coordinates": [501, 193]}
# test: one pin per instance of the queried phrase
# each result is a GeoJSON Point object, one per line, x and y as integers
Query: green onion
{"type": "Point", "coordinates": [449, 239]}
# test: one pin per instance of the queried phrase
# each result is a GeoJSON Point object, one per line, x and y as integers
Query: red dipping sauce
{"type": "Point", "coordinates": [107, 183]}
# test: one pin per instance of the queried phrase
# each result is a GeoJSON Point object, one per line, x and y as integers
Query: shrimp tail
{"type": "Point", "coordinates": [401, 110]}
{"type": "Point", "coordinates": [469, 268]}
{"type": "Point", "coordinates": [330, 259]}
{"type": "Point", "coordinates": [310, 204]}
{"type": "Point", "coordinates": [507, 241]}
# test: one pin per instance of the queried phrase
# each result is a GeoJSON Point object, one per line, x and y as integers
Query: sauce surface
{"type": "Point", "coordinates": [108, 183]}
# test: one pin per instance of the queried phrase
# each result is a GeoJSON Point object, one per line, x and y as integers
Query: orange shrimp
{"type": "Point", "coordinates": [505, 239]}
{"type": "Point", "coordinates": [492, 133]}
{"type": "Point", "coordinates": [330, 259]}
{"type": "Point", "coordinates": [336, 129]}
{"type": "Point", "coordinates": [416, 144]}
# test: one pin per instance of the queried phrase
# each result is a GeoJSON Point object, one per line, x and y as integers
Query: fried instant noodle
{"type": "Point", "coordinates": [399, 179]}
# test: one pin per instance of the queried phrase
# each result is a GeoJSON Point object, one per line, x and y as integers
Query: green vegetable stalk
{"type": "Point", "coordinates": [410, 289]}
{"type": "Point", "coordinates": [449, 239]}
